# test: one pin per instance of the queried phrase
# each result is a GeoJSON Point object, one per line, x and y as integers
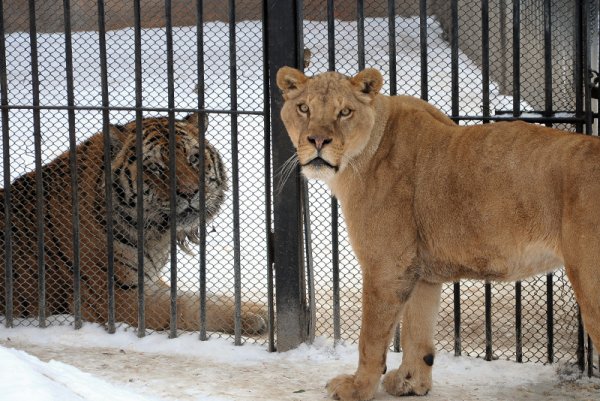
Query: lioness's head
{"type": "Point", "coordinates": [328, 117]}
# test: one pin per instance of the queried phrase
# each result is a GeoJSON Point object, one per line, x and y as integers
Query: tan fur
{"type": "Point", "coordinates": [58, 230]}
{"type": "Point", "coordinates": [427, 201]}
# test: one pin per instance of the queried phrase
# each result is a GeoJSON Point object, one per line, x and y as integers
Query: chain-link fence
{"type": "Point", "coordinates": [73, 69]}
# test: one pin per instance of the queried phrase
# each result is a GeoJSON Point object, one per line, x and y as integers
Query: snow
{"type": "Point", "coordinates": [60, 363]}
{"type": "Point", "coordinates": [64, 364]}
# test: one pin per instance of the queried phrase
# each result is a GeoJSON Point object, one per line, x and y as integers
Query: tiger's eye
{"type": "Point", "coordinates": [194, 159]}
{"type": "Point", "coordinates": [303, 108]}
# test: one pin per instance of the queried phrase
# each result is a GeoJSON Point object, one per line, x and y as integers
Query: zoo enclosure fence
{"type": "Point", "coordinates": [479, 61]}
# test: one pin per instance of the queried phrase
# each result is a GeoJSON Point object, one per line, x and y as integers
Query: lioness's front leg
{"type": "Point", "coordinates": [384, 293]}
{"type": "Point", "coordinates": [418, 324]}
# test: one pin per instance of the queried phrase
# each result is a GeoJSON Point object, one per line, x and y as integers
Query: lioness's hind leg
{"type": "Point", "coordinates": [418, 324]}
{"type": "Point", "coordinates": [586, 285]}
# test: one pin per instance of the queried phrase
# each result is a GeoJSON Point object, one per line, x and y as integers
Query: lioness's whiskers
{"type": "Point", "coordinates": [285, 171]}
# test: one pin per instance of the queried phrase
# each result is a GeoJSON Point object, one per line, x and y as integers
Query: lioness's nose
{"type": "Point", "coordinates": [319, 141]}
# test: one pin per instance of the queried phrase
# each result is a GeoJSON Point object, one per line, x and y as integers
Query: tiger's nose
{"type": "Point", "coordinates": [187, 193]}
{"type": "Point", "coordinates": [319, 141]}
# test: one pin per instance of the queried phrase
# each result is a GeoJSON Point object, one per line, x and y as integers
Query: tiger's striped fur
{"type": "Point", "coordinates": [58, 230]}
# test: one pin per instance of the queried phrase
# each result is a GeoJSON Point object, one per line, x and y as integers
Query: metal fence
{"type": "Point", "coordinates": [71, 70]}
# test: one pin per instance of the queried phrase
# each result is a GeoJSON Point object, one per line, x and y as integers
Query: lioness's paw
{"type": "Point", "coordinates": [404, 382]}
{"type": "Point", "coordinates": [349, 388]}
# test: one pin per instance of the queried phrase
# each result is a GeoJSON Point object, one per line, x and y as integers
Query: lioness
{"type": "Point", "coordinates": [427, 201]}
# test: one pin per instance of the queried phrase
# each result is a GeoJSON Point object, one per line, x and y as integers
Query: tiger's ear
{"type": "Point", "coordinates": [118, 136]}
{"type": "Point", "coordinates": [290, 79]}
{"type": "Point", "coordinates": [194, 118]}
{"type": "Point", "coordinates": [369, 81]}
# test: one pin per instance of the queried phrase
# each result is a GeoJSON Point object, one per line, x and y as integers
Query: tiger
{"type": "Point", "coordinates": [93, 228]}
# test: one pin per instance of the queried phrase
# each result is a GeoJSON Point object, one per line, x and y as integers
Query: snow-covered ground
{"type": "Point", "coordinates": [61, 364]}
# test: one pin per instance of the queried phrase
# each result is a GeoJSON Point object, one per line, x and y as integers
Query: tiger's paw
{"type": "Point", "coordinates": [352, 388]}
{"type": "Point", "coordinates": [405, 381]}
{"type": "Point", "coordinates": [253, 323]}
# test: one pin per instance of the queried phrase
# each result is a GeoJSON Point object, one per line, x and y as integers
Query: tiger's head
{"type": "Point", "coordinates": [156, 172]}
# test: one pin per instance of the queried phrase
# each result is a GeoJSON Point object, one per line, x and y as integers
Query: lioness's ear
{"type": "Point", "coordinates": [289, 79]}
{"type": "Point", "coordinates": [368, 81]}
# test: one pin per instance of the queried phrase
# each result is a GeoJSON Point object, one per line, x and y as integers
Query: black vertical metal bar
{"type": "Point", "coordinates": [455, 112]}
{"type": "Point", "coordinates": [311, 315]}
{"type": "Point", "coordinates": [590, 357]}
{"type": "Point", "coordinates": [309, 263]}
{"type": "Point", "coordinates": [548, 100]}
{"type": "Point", "coordinates": [39, 185]}
{"type": "Point", "coordinates": [516, 57]}
{"type": "Point", "coordinates": [360, 25]}
{"type": "Point", "coordinates": [73, 167]}
{"type": "Point", "coordinates": [485, 87]}
{"type": "Point", "coordinates": [423, 46]}
{"type": "Point", "coordinates": [488, 322]}
{"type": "Point", "coordinates": [579, 96]}
{"type": "Point", "coordinates": [282, 23]}
{"type": "Point", "coordinates": [586, 64]}
{"type": "Point", "coordinates": [107, 168]}
{"type": "Point", "coordinates": [235, 174]}
{"type": "Point", "coordinates": [335, 249]}
{"type": "Point", "coordinates": [330, 35]}
{"type": "Point", "coordinates": [393, 92]}
{"type": "Point", "coordinates": [392, 46]}
{"type": "Point", "coordinates": [457, 321]}
{"type": "Point", "coordinates": [548, 94]}
{"type": "Point", "coordinates": [581, 358]}
{"type": "Point", "coordinates": [172, 168]}
{"type": "Point", "coordinates": [454, 57]}
{"type": "Point", "coordinates": [503, 27]}
{"type": "Point", "coordinates": [267, 182]}
{"type": "Point", "coordinates": [518, 322]}
{"type": "Point", "coordinates": [335, 264]}
{"type": "Point", "coordinates": [580, 342]}
{"type": "Point", "coordinates": [485, 57]}
{"type": "Point", "coordinates": [8, 271]}
{"type": "Point", "coordinates": [550, 317]}
{"type": "Point", "coordinates": [139, 158]}
{"type": "Point", "coordinates": [300, 34]}
{"type": "Point", "coordinates": [202, 178]}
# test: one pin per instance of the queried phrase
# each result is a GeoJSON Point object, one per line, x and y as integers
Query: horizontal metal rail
{"type": "Point", "coordinates": [121, 108]}
{"type": "Point", "coordinates": [541, 119]}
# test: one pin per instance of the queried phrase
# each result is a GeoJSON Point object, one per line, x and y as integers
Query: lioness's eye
{"type": "Point", "coordinates": [303, 108]}
{"type": "Point", "coordinates": [345, 112]}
